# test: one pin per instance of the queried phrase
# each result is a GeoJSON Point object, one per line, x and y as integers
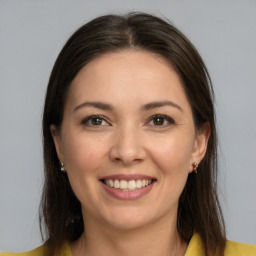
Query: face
{"type": "Point", "coordinates": [128, 140]}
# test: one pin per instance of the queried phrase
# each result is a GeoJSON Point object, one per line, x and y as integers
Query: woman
{"type": "Point", "coordinates": [130, 145]}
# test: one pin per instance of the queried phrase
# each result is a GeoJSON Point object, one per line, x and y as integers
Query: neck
{"type": "Point", "coordinates": [154, 239]}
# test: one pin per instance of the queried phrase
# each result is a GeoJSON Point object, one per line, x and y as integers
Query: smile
{"type": "Point", "coordinates": [127, 185]}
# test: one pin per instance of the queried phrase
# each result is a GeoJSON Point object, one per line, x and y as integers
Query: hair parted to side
{"type": "Point", "coordinates": [199, 208]}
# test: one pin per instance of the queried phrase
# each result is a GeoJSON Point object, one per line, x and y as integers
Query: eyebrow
{"type": "Point", "coordinates": [159, 104]}
{"type": "Point", "coordinates": [146, 107]}
{"type": "Point", "coordinates": [99, 105]}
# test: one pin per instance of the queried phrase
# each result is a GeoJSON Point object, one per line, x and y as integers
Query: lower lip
{"type": "Point", "coordinates": [128, 195]}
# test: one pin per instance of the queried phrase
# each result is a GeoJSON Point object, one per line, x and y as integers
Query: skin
{"type": "Point", "coordinates": [129, 139]}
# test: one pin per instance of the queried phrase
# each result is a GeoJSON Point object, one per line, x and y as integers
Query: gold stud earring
{"type": "Point", "coordinates": [195, 166]}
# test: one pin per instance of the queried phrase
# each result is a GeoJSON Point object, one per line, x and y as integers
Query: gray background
{"type": "Point", "coordinates": [31, 35]}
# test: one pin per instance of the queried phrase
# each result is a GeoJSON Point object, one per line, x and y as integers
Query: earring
{"type": "Point", "coordinates": [195, 166]}
{"type": "Point", "coordinates": [62, 169]}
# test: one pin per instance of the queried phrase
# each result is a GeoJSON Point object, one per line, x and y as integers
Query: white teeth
{"type": "Point", "coordinates": [131, 185]}
{"type": "Point", "coordinates": [116, 184]}
{"type": "Point", "coordinates": [111, 183]}
{"type": "Point", "coordinates": [123, 184]}
{"type": "Point", "coordinates": [138, 183]}
{"type": "Point", "coordinates": [127, 185]}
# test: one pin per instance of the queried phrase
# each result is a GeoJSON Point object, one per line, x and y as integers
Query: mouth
{"type": "Point", "coordinates": [127, 185]}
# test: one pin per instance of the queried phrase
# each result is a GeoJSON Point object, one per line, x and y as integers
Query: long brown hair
{"type": "Point", "coordinates": [199, 208]}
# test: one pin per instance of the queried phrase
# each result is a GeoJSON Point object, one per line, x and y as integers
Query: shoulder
{"type": "Point", "coordinates": [196, 248]}
{"type": "Point", "coordinates": [239, 249]}
{"type": "Point", "coordinates": [39, 251]}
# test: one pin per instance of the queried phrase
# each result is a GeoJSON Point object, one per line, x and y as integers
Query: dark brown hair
{"type": "Point", "coordinates": [199, 209]}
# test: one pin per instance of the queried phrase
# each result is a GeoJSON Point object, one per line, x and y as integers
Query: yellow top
{"type": "Point", "coordinates": [195, 248]}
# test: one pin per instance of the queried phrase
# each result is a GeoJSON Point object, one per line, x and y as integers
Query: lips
{"type": "Point", "coordinates": [127, 187]}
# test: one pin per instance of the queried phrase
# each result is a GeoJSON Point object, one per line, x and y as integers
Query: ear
{"type": "Point", "coordinates": [57, 141]}
{"type": "Point", "coordinates": [200, 144]}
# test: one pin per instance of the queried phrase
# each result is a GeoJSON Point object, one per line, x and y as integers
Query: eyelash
{"type": "Point", "coordinates": [91, 118]}
{"type": "Point", "coordinates": [166, 120]}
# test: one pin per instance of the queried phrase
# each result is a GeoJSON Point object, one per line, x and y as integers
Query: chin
{"type": "Point", "coordinates": [129, 218]}
{"type": "Point", "coordinates": [127, 224]}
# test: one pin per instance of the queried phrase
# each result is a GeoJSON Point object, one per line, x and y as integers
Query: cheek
{"type": "Point", "coordinates": [171, 159]}
{"type": "Point", "coordinates": [172, 155]}
{"type": "Point", "coordinates": [83, 154]}
{"type": "Point", "coordinates": [83, 160]}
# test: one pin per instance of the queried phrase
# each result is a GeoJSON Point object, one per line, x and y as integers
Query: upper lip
{"type": "Point", "coordinates": [127, 177]}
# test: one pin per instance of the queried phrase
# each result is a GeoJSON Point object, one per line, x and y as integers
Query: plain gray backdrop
{"type": "Point", "coordinates": [32, 33]}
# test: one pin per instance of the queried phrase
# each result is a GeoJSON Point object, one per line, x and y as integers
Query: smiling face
{"type": "Point", "coordinates": [128, 139]}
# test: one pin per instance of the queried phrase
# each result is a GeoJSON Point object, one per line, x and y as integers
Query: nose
{"type": "Point", "coordinates": [127, 147]}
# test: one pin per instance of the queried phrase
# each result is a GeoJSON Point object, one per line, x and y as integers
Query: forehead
{"type": "Point", "coordinates": [131, 75]}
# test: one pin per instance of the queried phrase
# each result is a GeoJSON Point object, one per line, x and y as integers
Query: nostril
{"type": "Point", "coordinates": [127, 149]}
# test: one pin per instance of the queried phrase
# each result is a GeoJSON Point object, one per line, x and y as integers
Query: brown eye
{"type": "Point", "coordinates": [160, 120]}
{"type": "Point", "coordinates": [94, 121]}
